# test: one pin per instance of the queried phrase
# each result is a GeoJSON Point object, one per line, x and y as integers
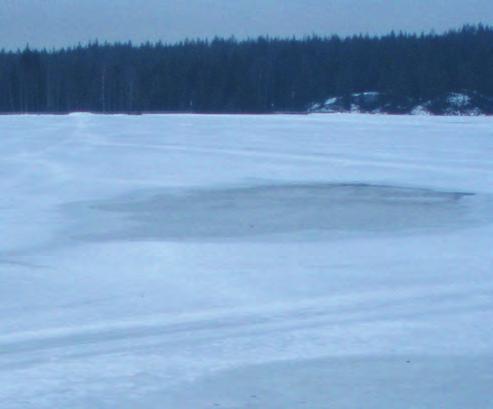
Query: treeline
{"type": "Point", "coordinates": [261, 75]}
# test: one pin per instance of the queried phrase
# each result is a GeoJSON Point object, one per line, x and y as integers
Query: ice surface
{"type": "Point", "coordinates": [382, 382]}
{"type": "Point", "coordinates": [256, 212]}
{"type": "Point", "coordinates": [183, 261]}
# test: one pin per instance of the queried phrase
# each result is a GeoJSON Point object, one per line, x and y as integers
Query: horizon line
{"type": "Point", "coordinates": [232, 38]}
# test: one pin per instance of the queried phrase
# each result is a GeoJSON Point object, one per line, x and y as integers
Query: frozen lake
{"type": "Point", "coordinates": [267, 262]}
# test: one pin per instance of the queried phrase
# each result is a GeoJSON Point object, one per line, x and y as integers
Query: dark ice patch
{"type": "Point", "coordinates": [272, 210]}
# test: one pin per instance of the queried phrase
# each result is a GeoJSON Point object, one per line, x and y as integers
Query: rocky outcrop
{"type": "Point", "coordinates": [463, 103]}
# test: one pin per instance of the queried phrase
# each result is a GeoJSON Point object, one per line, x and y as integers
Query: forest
{"type": "Point", "coordinates": [259, 75]}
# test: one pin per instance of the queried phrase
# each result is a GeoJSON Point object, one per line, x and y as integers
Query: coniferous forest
{"type": "Point", "coordinates": [258, 75]}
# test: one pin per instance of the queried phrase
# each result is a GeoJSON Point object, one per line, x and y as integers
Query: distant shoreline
{"type": "Point", "coordinates": [397, 73]}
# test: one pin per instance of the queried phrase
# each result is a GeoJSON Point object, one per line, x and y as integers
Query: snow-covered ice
{"type": "Point", "coordinates": [268, 262]}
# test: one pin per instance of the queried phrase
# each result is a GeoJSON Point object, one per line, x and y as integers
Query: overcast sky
{"type": "Point", "coordinates": [54, 23]}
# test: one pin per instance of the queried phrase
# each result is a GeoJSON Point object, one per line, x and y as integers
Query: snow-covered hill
{"type": "Point", "coordinates": [268, 262]}
{"type": "Point", "coordinates": [466, 103]}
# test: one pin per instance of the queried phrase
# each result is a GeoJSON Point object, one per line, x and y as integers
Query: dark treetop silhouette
{"type": "Point", "coordinates": [260, 75]}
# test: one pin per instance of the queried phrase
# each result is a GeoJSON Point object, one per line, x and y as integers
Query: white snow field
{"type": "Point", "coordinates": [246, 262]}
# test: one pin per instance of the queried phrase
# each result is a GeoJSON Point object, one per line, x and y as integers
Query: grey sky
{"type": "Point", "coordinates": [54, 23]}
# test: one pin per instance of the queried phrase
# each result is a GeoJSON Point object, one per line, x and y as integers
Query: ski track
{"type": "Point", "coordinates": [376, 308]}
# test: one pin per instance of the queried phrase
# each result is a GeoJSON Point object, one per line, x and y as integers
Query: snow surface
{"type": "Point", "coordinates": [420, 110]}
{"type": "Point", "coordinates": [268, 262]}
{"type": "Point", "coordinates": [458, 100]}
